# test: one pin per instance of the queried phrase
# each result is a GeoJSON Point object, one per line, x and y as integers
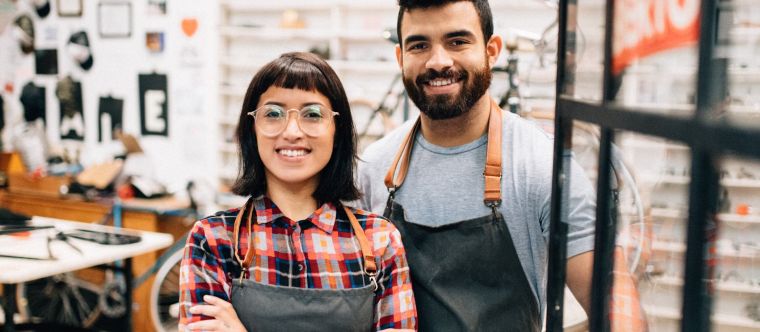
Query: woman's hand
{"type": "Point", "coordinates": [225, 318]}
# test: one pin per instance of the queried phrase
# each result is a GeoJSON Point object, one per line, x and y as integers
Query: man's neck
{"type": "Point", "coordinates": [459, 130]}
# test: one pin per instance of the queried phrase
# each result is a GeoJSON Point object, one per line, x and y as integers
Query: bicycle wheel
{"type": "Point", "coordinates": [164, 295]}
{"type": "Point", "coordinates": [61, 299]}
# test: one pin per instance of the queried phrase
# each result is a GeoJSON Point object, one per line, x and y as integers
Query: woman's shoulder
{"type": "Point", "coordinates": [219, 220]}
{"type": "Point", "coordinates": [372, 222]}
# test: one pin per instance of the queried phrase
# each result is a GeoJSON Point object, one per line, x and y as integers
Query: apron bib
{"type": "Point", "coordinates": [262, 307]}
{"type": "Point", "coordinates": [466, 276]}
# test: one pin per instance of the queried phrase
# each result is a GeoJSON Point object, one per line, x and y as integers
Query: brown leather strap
{"type": "Point", "coordinates": [245, 263]}
{"type": "Point", "coordinates": [369, 258]}
{"type": "Point", "coordinates": [492, 172]}
{"type": "Point", "coordinates": [402, 155]}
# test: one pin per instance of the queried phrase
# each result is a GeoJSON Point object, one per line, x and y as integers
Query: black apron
{"type": "Point", "coordinates": [466, 276]}
{"type": "Point", "coordinates": [262, 307]}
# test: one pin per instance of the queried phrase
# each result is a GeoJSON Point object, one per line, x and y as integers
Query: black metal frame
{"type": "Point", "coordinates": [707, 138]}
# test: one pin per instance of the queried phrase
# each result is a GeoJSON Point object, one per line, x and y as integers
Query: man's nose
{"type": "Point", "coordinates": [439, 60]}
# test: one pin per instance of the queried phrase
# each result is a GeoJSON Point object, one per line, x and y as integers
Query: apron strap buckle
{"type": "Point", "coordinates": [373, 280]}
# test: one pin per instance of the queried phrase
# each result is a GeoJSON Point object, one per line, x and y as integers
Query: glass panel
{"type": "Point", "coordinates": [742, 35]}
{"type": "Point", "coordinates": [585, 50]}
{"type": "Point", "coordinates": [655, 55]}
{"type": "Point", "coordinates": [653, 200]}
{"type": "Point", "coordinates": [736, 278]}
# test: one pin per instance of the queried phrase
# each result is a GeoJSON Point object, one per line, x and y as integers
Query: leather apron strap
{"type": "Point", "coordinates": [370, 267]}
{"type": "Point", "coordinates": [492, 172]}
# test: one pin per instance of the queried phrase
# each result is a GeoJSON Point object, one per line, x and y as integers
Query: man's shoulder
{"type": "Point", "coordinates": [386, 147]}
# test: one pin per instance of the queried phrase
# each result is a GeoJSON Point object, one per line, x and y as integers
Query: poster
{"type": "Point", "coordinates": [69, 93]}
{"type": "Point", "coordinates": [154, 104]}
{"type": "Point", "coordinates": [46, 62]}
{"type": "Point", "coordinates": [644, 28]}
{"type": "Point", "coordinates": [110, 118]}
{"type": "Point", "coordinates": [115, 19]}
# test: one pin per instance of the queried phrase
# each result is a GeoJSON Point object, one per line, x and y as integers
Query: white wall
{"type": "Point", "coordinates": [187, 61]}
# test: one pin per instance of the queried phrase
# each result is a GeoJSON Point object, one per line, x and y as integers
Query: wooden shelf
{"type": "Point", "coordinates": [718, 319]}
{"type": "Point", "coordinates": [676, 247]}
{"type": "Point", "coordinates": [730, 287]}
{"type": "Point", "coordinates": [726, 217]}
{"type": "Point", "coordinates": [684, 180]}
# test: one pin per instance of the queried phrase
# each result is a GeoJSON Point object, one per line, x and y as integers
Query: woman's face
{"type": "Point", "coordinates": [291, 157]}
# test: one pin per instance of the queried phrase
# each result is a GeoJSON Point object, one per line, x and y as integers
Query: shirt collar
{"type": "Point", "coordinates": [266, 211]}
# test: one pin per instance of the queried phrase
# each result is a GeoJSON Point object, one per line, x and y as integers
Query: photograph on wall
{"type": "Point", "coordinates": [115, 19]}
{"type": "Point", "coordinates": [154, 104]}
{"type": "Point", "coordinates": [154, 41]}
{"type": "Point", "coordinates": [69, 93]}
{"type": "Point", "coordinates": [157, 7]}
{"type": "Point", "coordinates": [69, 8]}
{"type": "Point", "coordinates": [110, 117]}
{"type": "Point", "coordinates": [46, 61]}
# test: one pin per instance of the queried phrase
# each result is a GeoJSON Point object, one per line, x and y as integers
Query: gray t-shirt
{"type": "Point", "coordinates": [445, 185]}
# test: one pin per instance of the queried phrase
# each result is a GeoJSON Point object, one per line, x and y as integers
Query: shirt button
{"type": "Point", "coordinates": [300, 267]}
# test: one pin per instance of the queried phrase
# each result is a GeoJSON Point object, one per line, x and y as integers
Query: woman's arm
{"type": "Point", "coordinates": [201, 272]}
{"type": "Point", "coordinates": [394, 298]}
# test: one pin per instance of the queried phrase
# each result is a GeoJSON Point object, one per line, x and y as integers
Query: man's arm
{"type": "Point", "coordinates": [579, 271]}
{"type": "Point", "coordinates": [626, 313]}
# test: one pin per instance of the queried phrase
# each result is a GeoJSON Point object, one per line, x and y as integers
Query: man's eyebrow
{"type": "Point", "coordinates": [460, 33]}
{"type": "Point", "coordinates": [414, 38]}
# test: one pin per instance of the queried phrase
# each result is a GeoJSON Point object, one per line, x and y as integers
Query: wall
{"type": "Point", "coordinates": [186, 60]}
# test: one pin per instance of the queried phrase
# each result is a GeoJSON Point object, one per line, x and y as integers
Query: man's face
{"type": "Point", "coordinates": [444, 60]}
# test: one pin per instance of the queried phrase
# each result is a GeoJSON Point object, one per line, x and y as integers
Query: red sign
{"type": "Point", "coordinates": [646, 27]}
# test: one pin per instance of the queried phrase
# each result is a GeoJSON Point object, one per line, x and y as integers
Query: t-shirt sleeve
{"type": "Point", "coordinates": [581, 212]}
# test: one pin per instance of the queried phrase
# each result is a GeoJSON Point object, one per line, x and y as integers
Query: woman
{"type": "Point", "coordinates": [295, 258]}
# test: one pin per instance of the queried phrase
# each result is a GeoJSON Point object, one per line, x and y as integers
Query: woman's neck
{"type": "Point", "coordinates": [294, 201]}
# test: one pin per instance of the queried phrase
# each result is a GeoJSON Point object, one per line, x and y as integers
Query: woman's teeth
{"type": "Point", "coordinates": [293, 153]}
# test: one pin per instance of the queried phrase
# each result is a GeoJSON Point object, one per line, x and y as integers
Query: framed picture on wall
{"type": "Point", "coordinates": [69, 8]}
{"type": "Point", "coordinates": [115, 19]}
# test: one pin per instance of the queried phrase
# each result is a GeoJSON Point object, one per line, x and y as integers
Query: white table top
{"type": "Point", "coordinates": [68, 259]}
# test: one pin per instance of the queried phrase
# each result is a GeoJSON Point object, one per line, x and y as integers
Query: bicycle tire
{"type": "Point", "coordinates": [61, 299]}
{"type": "Point", "coordinates": [164, 295]}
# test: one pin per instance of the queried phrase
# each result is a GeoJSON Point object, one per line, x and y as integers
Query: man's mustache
{"type": "Point", "coordinates": [432, 74]}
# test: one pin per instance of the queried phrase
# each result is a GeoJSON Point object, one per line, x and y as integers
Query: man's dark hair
{"type": "Point", "coordinates": [481, 7]}
{"type": "Point", "coordinates": [303, 71]}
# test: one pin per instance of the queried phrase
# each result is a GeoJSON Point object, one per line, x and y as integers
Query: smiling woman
{"type": "Point", "coordinates": [294, 255]}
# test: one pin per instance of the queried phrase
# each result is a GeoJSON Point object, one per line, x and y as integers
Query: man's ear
{"type": "Point", "coordinates": [399, 59]}
{"type": "Point", "coordinates": [493, 49]}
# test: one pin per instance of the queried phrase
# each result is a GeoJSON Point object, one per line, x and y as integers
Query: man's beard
{"type": "Point", "coordinates": [441, 107]}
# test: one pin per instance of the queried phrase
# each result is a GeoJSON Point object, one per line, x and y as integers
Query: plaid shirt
{"type": "Point", "coordinates": [320, 251]}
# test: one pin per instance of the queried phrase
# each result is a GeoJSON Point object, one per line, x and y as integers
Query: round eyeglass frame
{"type": "Point", "coordinates": [287, 119]}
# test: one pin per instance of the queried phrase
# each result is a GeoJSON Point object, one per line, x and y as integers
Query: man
{"type": "Point", "coordinates": [476, 245]}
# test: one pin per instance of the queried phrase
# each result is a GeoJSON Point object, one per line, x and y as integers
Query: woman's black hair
{"type": "Point", "coordinates": [303, 71]}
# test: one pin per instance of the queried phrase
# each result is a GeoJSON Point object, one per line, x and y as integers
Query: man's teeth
{"type": "Point", "coordinates": [293, 153]}
{"type": "Point", "coordinates": [441, 82]}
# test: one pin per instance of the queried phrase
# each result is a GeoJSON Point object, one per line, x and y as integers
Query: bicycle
{"type": "Point", "coordinates": [91, 299]}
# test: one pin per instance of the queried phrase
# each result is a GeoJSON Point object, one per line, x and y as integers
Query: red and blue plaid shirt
{"type": "Point", "coordinates": [320, 251]}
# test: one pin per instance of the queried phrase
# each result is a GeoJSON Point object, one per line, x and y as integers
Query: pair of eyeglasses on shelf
{"type": "Point", "coordinates": [313, 120]}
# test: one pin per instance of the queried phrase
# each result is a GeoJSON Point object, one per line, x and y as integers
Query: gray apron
{"type": "Point", "coordinates": [466, 276]}
{"type": "Point", "coordinates": [262, 307]}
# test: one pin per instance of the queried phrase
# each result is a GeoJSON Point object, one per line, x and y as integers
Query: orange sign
{"type": "Point", "coordinates": [646, 27]}
{"type": "Point", "coordinates": [189, 26]}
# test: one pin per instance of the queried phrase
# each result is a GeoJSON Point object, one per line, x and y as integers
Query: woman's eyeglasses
{"type": "Point", "coordinates": [313, 120]}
